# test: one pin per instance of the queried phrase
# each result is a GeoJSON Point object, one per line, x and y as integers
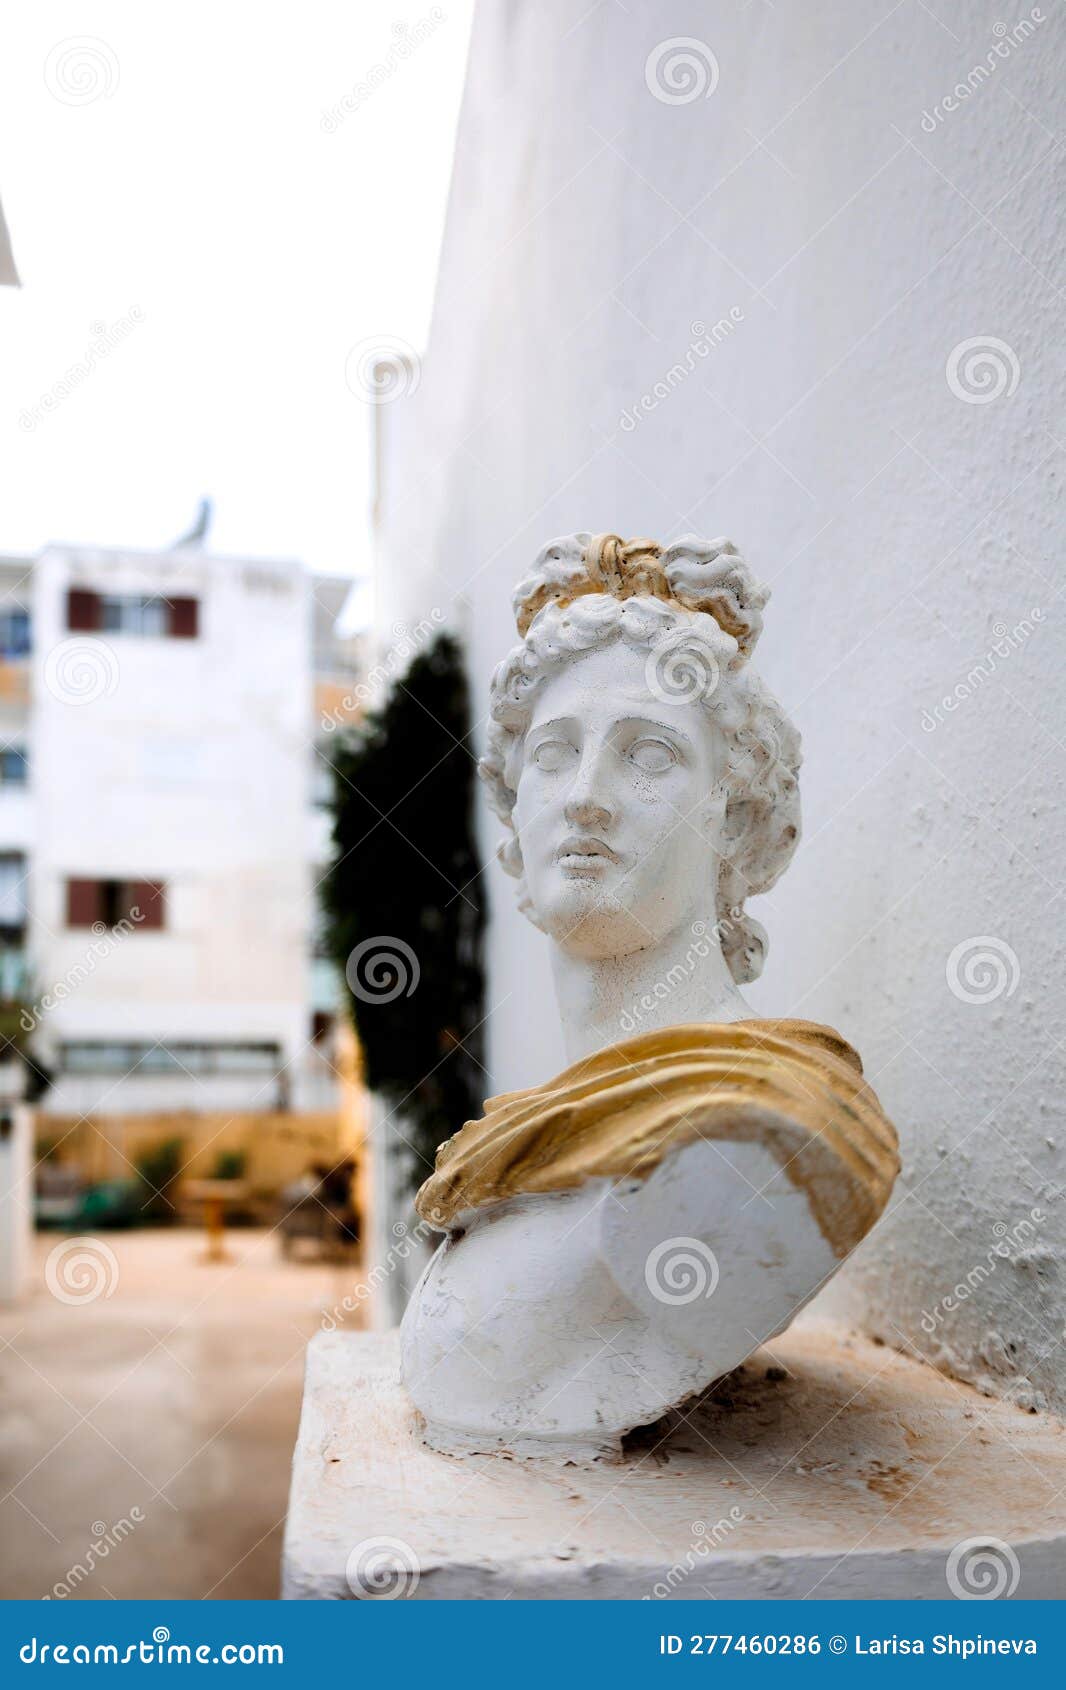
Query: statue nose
{"type": "Point", "coordinates": [588, 803]}
{"type": "Point", "coordinates": [584, 809]}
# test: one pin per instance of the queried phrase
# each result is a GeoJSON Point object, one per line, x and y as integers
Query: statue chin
{"type": "Point", "coordinates": [587, 924]}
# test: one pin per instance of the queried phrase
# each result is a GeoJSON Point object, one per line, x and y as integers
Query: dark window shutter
{"type": "Point", "coordinates": [149, 897]}
{"type": "Point", "coordinates": [84, 611]}
{"type": "Point", "coordinates": [83, 902]}
{"type": "Point", "coordinates": [184, 621]}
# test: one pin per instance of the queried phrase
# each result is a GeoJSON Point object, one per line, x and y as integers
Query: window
{"type": "Point", "coordinates": [321, 780]}
{"type": "Point", "coordinates": [126, 613]}
{"type": "Point", "coordinates": [12, 892]}
{"type": "Point", "coordinates": [14, 766]}
{"type": "Point", "coordinates": [149, 1057]}
{"type": "Point", "coordinates": [15, 975]}
{"type": "Point", "coordinates": [148, 615]}
{"type": "Point", "coordinates": [140, 902]}
{"type": "Point", "coordinates": [14, 633]}
{"type": "Point", "coordinates": [321, 948]}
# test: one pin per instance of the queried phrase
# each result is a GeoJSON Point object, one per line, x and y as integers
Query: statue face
{"type": "Point", "coordinates": [620, 807]}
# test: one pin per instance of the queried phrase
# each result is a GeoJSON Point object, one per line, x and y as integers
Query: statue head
{"type": "Point", "coordinates": [646, 777]}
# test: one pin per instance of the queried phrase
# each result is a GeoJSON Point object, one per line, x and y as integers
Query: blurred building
{"type": "Point", "coordinates": [162, 832]}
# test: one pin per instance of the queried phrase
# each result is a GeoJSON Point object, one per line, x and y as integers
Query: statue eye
{"type": "Point", "coordinates": [653, 756]}
{"type": "Point", "coordinates": [551, 755]}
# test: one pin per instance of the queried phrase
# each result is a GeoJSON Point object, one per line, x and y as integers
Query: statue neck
{"type": "Point", "coordinates": [603, 1000]}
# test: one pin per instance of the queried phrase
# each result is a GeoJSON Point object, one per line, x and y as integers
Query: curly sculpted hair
{"type": "Point", "coordinates": [695, 609]}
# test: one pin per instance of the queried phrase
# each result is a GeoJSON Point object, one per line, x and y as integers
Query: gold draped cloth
{"type": "Point", "coordinates": [794, 1087]}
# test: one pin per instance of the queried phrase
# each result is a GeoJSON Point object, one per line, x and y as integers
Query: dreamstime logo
{"type": "Point", "coordinates": [982, 1569]}
{"type": "Point", "coordinates": [1006, 39]}
{"type": "Point", "coordinates": [703, 342]}
{"type": "Point", "coordinates": [1009, 1245]}
{"type": "Point", "coordinates": [382, 1567]}
{"type": "Point", "coordinates": [81, 70]}
{"type": "Point", "coordinates": [705, 1539]}
{"type": "Point", "coordinates": [143, 1653]}
{"type": "Point", "coordinates": [382, 368]}
{"type": "Point", "coordinates": [705, 939]}
{"type": "Point", "coordinates": [104, 338]}
{"type": "Point", "coordinates": [104, 942]}
{"type": "Point", "coordinates": [982, 969]}
{"type": "Point", "coordinates": [1007, 641]}
{"type": "Point", "coordinates": [381, 969]}
{"type": "Point", "coordinates": [681, 668]}
{"type": "Point", "coordinates": [407, 1240]}
{"type": "Point", "coordinates": [982, 369]}
{"type": "Point", "coordinates": [105, 1539]}
{"type": "Point", "coordinates": [81, 671]}
{"type": "Point", "coordinates": [681, 1270]}
{"type": "Point", "coordinates": [407, 643]}
{"type": "Point", "coordinates": [407, 41]}
{"type": "Point", "coordinates": [681, 70]}
{"type": "Point", "coordinates": [81, 1270]}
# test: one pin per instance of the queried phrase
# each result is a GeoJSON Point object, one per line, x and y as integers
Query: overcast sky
{"type": "Point", "coordinates": [239, 198]}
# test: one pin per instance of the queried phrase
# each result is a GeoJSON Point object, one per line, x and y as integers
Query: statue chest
{"type": "Point", "coordinates": [518, 1331]}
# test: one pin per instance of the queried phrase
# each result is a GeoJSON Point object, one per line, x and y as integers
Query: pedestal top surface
{"type": "Point", "coordinates": [830, 1467]}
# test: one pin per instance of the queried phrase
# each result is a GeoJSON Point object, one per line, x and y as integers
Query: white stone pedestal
{"type": "Point", "coordinates": [832, 1467]}
{"type": "Point", "coordinates": [16, 1187]}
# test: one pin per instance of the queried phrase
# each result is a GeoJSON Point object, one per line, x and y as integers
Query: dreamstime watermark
{"type": "Point", "coordinates": [408, 40]}
{"type": "Point", "coordinates": [159, 1651]}
{"type": "Point", "coordinates": [982, 1569]}
{"type": "Point", "coordinates": [80, 70]}
{"type": "Point", "coordinates": [81, 1270]}
{"type": "Point", "coordinates": [705, 1539]}
{"type": "Point", "coordinates": [1007, 641]}
{"type": "Point", "coordinates": [406, 643]}
{"type": "Point", "coordinates": [105, 338]}
{"type": "Point", "coordinates": [107, 940]}
{"type": "Point", "coordinates": [705, 940]}
{"type": "Point", "coordinates": [407, 1240]}
{"type": "Point", "coordinates": [105, 1538]}
{"type": "Point", "coordinates": [81, 671]}
{"type": "Point", "coordinates": [982, 369]}
{"type": "Point", "coordinates": [382, 368]}
{"type": "Point", "coordinates": [703, 342]}
{"type": "Point", "coordinates": [982, 969]}
{"type": "Point", "coordinates": [1007, 37]}
{"type": "Point", "coordinates": [682, 668]}
{"type": "Point", "coordinates": [382, 969]}
{"type": "Point", "coordinates": [681, 1270]}
{"type": "Point", "coordinates": [382, 1569]}
{"type": "Point", "coordinates": [680, 70]}
{"type": "Point", "coordinates": [1009, 1241]}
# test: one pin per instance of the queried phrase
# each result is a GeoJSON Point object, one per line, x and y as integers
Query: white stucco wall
{"type": "Point", "coordinates": [852, 234]}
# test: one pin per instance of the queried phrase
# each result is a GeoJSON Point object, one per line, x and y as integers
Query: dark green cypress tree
{"type": "Point", "coordinates": [405, 896]}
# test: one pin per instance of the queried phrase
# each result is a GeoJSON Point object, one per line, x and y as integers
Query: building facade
{"type": "Point", "coordinates": [162, 832]}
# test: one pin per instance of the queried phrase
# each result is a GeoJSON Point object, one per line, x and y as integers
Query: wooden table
{"type": "Point", "coordinates": [214, 1194]}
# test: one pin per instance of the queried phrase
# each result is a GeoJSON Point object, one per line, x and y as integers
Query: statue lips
{"type": "Point", "coordinates": [583, 853]}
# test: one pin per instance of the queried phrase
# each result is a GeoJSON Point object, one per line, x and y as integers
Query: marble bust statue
{"type": "Point", "coordinates": [618, 1238]}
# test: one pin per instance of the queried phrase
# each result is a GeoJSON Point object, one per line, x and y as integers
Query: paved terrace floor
{"type": "Point", "coordinates": [177, 1396]}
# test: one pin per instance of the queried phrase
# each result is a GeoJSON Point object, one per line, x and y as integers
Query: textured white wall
{"type": "Point", "coordinates": [858, 236]}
